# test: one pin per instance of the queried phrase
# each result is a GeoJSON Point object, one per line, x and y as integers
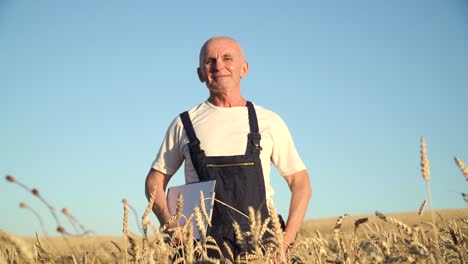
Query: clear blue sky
{"type": "Point", "coordinates": [88, 89]}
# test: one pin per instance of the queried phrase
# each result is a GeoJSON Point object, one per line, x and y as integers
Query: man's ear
{"type": "Point", "coordinates": [200, 75]}
{"type": "Point", "coordinates": [244, 69]}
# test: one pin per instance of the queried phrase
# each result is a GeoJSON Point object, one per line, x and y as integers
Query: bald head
{"type": "Point", "coordinates": [219, 38]}
{"type": "Point", "coordinates": [222, 65]}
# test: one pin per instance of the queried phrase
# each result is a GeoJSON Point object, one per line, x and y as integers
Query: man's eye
{"type": "Point", "coordinates": [209, 61]}
{"type": "Point", "coordinates": [227, 58]}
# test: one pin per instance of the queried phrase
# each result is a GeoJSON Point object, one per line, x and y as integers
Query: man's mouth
{"type": "Point", "coordinates": [220, 76]}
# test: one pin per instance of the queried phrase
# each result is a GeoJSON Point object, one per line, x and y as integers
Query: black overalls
{"type": "Point", "coordinates": [239, 183]}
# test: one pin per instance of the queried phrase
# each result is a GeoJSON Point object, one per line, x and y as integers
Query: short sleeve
{"type": "Point", "coordinates": [284, 154]}
{"type": "Point", "coordinates": [170, 156]}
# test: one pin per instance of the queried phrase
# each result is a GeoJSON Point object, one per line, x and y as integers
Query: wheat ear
{"type": "Point", "coordinates": [125, 227]}
{"type": "Point", "coordinates": [425, 169]}
{"type": "Point", "coordinates": [395, 222]}
{"type": "Point", "coordinates": [277, 231]}
{"type": "Point", "coordinates": [239, 235]}
{"type": "Point", "coordinates": [462, 167]}
{"type": "Point", "coordinates": [255, 229]}
{"type": "Point", "coordinates": [337, 228]}
{"type": "Point", "coordinates": [358, 222]}
{"type": "Point", "coordinates": [228, 250]}
{"type": "Point", "coordinates": [135, 249]}
{"type": "Point", "coordinates": [180, 206]}
{"type": "Point", "coordinates": [465, 197]}
{"type": "Point", "coordinates": [200, 225]}
{"type": "Point", "coordinates": [145, 219]}
{"type": "Point", "coordinates": [203, 209]}
{"type": "Point", "coordinates": [421, 208]}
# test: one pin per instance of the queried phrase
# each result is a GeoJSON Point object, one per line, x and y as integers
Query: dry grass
{"type": "Point", "coordinates": [411, 237]}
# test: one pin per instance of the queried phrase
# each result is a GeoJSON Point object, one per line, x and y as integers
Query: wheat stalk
{"type": "Point", "coordinates": [180, 206]}
{"type": "Point", "coordinates": [277, 231]}
{"type": "Point", "coordinates": [189, 240]}
{"type": "Point", "coordinates": [36, 193]}
{"type": "Point", "coordinates": [421, 211]}
{"type": "Point", "coordinates": [149, 207]}
{"type": "Point", "coordinates": [336, 229]}
{"type": "Point", "coordinates": [75, 223]}
{"type": "Point", "coordinates": [371, 251]}
{"type": "Point", "coordinates": [125, 220]}
{"type": "Point", "coordinates": [426, 176]}
{"type": "Point", "coordinates": [421, 208]}
{"type": "Point", "coordinates": [265, 226]}
{"type": "Point", "coordinates": [200, 225]}
{"type": "Point", "coordinates": [125, 227]}
{"type": "Point", "coordinates": [228, 250]}
{"type": "Point", "coordinates": [134, 248]}
{"type": "Point", "coordinates": [465, 197]}
{"type": "Point", "coordinates": [203, 209]}
{"type": "Point", "coordinates": [68, 214]}
{"type": "Point", "coordinates": [13, 180]}
{"type": "Point", "coordinates": [384, 247]}
{"type": "Point", "coordinates": [145, 219]}
{"type": "Point", "coordinates": [230, 207]}
{"type": "Point", "coordinates": [26, 206]}
{"type": "Point", "coordinates": [359, 222]}
{"type": "Point", "coordinates": [239, 235]}
{"type": "Point", "coordinates": [462, 167]}
{"type": "Point", "coordinates": [41, 253]}
{"type": "Point", "coordinates": [425, 170]}
{"type": "Point", "coordinates": [394, 221]}
{"type": "Point", "coordinates": [255, 229]}
{"type": "Point", "coordinates": [62, 231]}
{"type": "Point", "coordinates": [137, 222]}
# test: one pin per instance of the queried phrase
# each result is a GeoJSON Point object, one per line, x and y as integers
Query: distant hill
{"type": "Point", "coordinates": [325, 226]}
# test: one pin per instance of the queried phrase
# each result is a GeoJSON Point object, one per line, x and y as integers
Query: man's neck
{"type": "Point", "coordinates": [222, 100]}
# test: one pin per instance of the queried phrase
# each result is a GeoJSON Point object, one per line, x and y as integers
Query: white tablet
{"type": "Point", "coordinates": [191, 195]}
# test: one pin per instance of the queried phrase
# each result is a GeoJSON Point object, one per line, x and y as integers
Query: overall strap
{"type": "Point", "coordinates": [253, 123]}
{"type": "Point", "coordinates": [254, 135]}
{"type": "Point", "coordinates": [189, 128]}
{"type": "Point", "coordinates": [197, 155]}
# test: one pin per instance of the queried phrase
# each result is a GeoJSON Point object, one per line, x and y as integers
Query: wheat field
{"type": "Point", "coordinates": [422, 236]}
{"type": "Point", "coordinates": [319, 241]}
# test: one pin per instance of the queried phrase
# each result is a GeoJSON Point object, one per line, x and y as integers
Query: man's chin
{"type": "Point", "coordinates": [218, 89]}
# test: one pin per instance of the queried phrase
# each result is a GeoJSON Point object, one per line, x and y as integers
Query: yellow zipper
{"type": "Point", "coordinates": [229, 165]}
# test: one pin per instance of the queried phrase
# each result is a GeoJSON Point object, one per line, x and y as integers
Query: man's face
{"type": "Point", "coordinates": [222, 65]}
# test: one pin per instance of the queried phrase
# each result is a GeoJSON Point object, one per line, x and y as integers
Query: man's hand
{"type": "Point", "coordinates": [301, 192]}
{"type": "Point", "coordinates": [175, 236]}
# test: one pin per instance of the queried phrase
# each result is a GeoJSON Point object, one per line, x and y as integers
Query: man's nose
{"type": "Point", "coordinates": [218, 65]}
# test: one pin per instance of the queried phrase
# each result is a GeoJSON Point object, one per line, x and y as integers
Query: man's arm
{"type": "Point", "coordinates": [301, 193]}
{"type": "Point", "coordinates": [159, 180]}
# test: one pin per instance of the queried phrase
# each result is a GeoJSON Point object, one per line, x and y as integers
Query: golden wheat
{"type": "Point", "coordinates": [408, 231]}
{"type": "Point", "coordinates": [426, 175]}
{"type": "Point", "coordinates": [445, 241]}
{"type": "Point", "coordinates": [203, 209]}
{"type": "Point", "coordinates": [421, 208]}
{"type": "Point", "coordinates": [462, 167]}
{"type": "Point", "coordinates": [125, 228]}
{"type": "Point", "coordinates": [424, 161]}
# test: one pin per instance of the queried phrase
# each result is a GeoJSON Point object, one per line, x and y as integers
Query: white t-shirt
{"type": "Point", "coordinates": [223, 132]}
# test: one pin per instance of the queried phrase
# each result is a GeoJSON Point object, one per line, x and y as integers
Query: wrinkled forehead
{"type": "Point", "coordinates": [220, 46]}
